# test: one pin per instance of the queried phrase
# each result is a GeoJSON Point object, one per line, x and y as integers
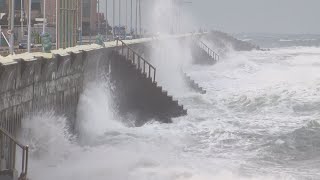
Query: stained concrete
{"type": "Point", "coordinates": [41, 81]}
{"type": "Point", "coordinates": [35, 82]}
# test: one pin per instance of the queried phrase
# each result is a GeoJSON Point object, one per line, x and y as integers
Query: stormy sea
{"type": "Point", "coordinates": [259, 120]}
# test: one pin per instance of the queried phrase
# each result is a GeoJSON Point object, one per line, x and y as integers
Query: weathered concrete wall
{"type": "Point", "coordinates": [37, 84]}
{"type": "Point", "coordinates": [41, 83]}
{"type": "Point", "coordinates": [29, 84]}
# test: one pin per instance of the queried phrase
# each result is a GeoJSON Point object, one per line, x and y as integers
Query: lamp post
{"type": "Point", "coordinates": [57, 24]}
{"type": "Point", "coordinates": [107, 22]}
{"type": "Point", "coordinates": [140, 18]}
{"type": "Point", "coordinates": [113, 18]}
{"type": "Point", "coordinates": [179, 3]}
{"type": "Point", "coordinates": [98, 16]}
{"type": "Point", "coordinates": [44, 17]}
{"type": "Point", "coordinates": [12, 28]}
{"type": "Point", "coordinates": [126, 15]}
{"type": "Point", "coordinates": [29, 27]}
{"type": "Point", "coordinates": [131, 18]}
{"type": "Point", "coordinates": [119, 13]}
{"type": "Point", "coordinates": [136, 29]}
{"type": "Point", "coordinates": [0, 36]}
{"type": "Point", "coordinates": [22, 19]}
{"type": "Point", "coordinates": [80, 26]}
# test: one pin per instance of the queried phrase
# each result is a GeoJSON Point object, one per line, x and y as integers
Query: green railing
{"type": "Point", "coordinates": [8, 151]}
{"type": "Point", "coordinates": [143, 65]}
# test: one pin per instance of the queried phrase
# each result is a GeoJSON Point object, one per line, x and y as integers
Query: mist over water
{"type": "Point", "coordinates": [258, 121]}
{"type": "Point", "coordinates": [171, 58]}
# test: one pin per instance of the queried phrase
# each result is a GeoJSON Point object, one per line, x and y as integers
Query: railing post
{"type": "Point", "coordinates": [133, 57]}
{"type": "Point", "coordinates": [127, 53]}
{"type": "Point", "coordinates": [154, 75]}
{"type": "Point", "coordinates": [149, 71]}
{"type": "Point", "coordinates": [23, 156]}
{"type": "Point", "coordinates": [27, 152]}
{"type": "Point", "coordinates": [122, 49]}
{"type": "Point", "coordinates": [138, 62]}
{"type": "Point", "coordinates": [144, 67]}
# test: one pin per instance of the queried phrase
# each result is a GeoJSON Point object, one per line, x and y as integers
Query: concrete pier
{"type": "Point", "coordinates": [42, 81]}
{"type": "Point", "coordinates": [31, 83]}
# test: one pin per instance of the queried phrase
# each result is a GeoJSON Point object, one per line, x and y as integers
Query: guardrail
{"type": "Point", "coordinates": [143, 65]}
{"type": "Point", "coordinates": [8, 149]}
{"type": "Point", "coordinates": [209, 51]}
{"type": "Point", "coordinates": [6, 52]}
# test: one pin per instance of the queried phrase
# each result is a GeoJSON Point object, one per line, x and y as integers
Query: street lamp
{"type": "Point", "coordinates": [80, 32]}
{"type": "Point", "coordinates": [12, 28]}
{"type": "Point", "coordinates": [98, 16]}
{"type": "Point", "coordinates": [29, 27]}
{"type": "Point", "coordinates": [44, 17]}
{"type": "Point", "coordinates": [178, 12]}
{"type": "Point", "coordinates": [140, 18]}
{"type": "Point", "coordinates": [113, 17]}
{"type": "Point", "coordinates": [136, 30]}
{"type": "Point", "coordinates": [119, 13]}
{"type": "Point", "coordinates": [107, 22]}
{"type": "Point", "coordinates": [131, 26]}
{"type": "Point", "coordinates": [22, 19]}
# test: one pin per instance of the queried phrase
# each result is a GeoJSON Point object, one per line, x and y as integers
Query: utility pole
{"type": "Point", "coordinates": [98, 16]}
{"type": "Point", "coordinates": [136, 30]}
{"type": "Point", "coordinates": [44, 17]}
{"type": "Point", "coordinates": [29, 27]}
{"type": "Point", "coordinates": [172, 19]}
{"type": "Point", "coordinates": [113, 17]}
{"type": "Point", "coordinates": [80, 26]}
{"type": "Point", "coordinates": [12, 28]}
{"type": "Point", "coordinates": [119, 13]}
{"type": "Point", "coordinates": [126, 15]}
{"type": "Point", "coordinates": [107, 22]}
{"type": "Point", "coordinates": [140, 18]}
{"type": "Point", "coordinates": [22, 19]}
{"type": "Point", "coordinates": [131, 26]}
{"type": "Point", "coordinates": [0, 36]}
{"type": "Point", "coordinates": [57, 27]}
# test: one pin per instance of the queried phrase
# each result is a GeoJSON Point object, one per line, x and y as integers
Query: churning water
{"type": "Point", "coordinates": [258, 121]}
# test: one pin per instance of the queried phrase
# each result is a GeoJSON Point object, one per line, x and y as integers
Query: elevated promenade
{"type": "Point", "coordinates": [35, 82]}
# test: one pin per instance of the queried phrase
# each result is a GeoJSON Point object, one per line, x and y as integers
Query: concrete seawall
{"type": "Point", "coordinates": [41, 82]}
{"type": "Point", "coordinates": [31, 83]}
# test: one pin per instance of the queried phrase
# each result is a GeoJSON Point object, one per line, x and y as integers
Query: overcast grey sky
{"type": "Point", "coordinates": [236, 16]}
{"type": "Point", "coordinates": [271, 16]}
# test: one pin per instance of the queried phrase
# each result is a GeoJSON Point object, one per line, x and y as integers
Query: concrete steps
{"type": "Point", "coordinates": [201, 57]}
{"type": "Point", "coordinates": [193, 85]}
{"type": "Point", "coordinates": [137, 92]}
{"type": "Point", "coordinates": [202, 54]}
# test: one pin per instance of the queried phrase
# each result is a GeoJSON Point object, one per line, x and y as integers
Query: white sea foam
{"type": "Point", "coordinates": [258, 121]}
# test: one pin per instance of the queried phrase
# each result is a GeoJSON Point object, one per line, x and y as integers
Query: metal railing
{"type": "Point", "coordinates": [6, 52]}
{"type": "Point", "coordinates": [209, 51]}
{"type": "Point", "coordinates": [8, 145]}
{"type": "Point", "coordinates": [143, 65]}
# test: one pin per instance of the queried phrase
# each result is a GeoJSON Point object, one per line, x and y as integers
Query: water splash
{"type": "Point", "coordinates": [97, 113]}
{"type": "Point", "coordinates": [246, 127]}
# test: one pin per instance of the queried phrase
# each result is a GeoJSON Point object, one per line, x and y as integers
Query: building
{"type": "Point", "coordinates": [4, 6]}
{"type": "Point", "coordinates": [73, 18]}
{"type": "Point", "coordinates": [89, 17]}
{"type": "Point", "coordinates": [50, 11]}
